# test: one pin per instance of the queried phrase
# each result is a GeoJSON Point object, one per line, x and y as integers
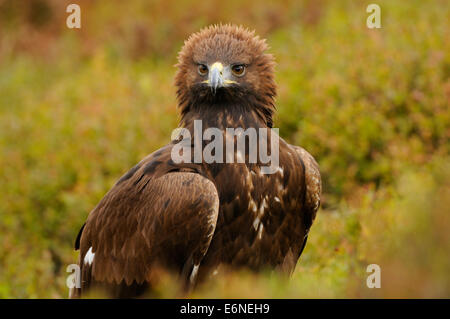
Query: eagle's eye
{"type": "Point", "coordinates": [202, 69]}
{"type": "Point", "coordinates": [238, 69]}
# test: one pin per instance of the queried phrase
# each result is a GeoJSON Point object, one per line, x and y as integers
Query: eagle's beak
{"type": "Point", "coordinates": [219, 76]}
{"type": "Point", "coordinates": [216, 79]}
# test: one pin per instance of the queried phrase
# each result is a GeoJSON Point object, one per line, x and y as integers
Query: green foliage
{"type": "Point", "coordinates": [80, 107]}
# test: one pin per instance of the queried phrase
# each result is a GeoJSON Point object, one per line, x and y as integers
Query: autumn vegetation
{"type": "Point", "coordinates": [78, 108]}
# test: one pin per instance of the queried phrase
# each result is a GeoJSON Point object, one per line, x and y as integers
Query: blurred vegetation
{"type": "Point", "coordinates": [80, 107]}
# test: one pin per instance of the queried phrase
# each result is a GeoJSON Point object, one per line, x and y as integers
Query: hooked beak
{"type": "Point", "coordinates": [218, 77]}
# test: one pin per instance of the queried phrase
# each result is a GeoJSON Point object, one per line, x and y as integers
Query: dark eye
{"type": "Point", "coordinates": [202, 69]}
{"type": "Point", "coordinates": [238, 69]}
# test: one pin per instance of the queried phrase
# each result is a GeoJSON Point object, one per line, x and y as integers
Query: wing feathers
{"type": "Point", "coordinates": [144, 223]}
{"type": "Point", "coordinates": [313, 181]}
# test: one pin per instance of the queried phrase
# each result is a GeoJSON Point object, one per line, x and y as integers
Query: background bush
{"type": "Point", "coordinates": [78, 108]}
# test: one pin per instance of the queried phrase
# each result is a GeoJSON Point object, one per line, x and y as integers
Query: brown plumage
{"type": "Point", "coordinates": [191, 218]}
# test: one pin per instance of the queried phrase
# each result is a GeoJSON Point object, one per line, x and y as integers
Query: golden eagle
{"type": "Point", "coordinates": [190, 217]}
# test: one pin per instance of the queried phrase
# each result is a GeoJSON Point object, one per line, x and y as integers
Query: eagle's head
{"type": "Point", "coordinates": [225, 65]}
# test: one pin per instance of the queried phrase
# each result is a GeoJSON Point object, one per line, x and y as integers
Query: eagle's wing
{"type": "Point", "coordinates": [312, 194]}
{"type": "Point", "coordinates": [146, 222]}
{"type": "Point", "coordinates": [313, 183]}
